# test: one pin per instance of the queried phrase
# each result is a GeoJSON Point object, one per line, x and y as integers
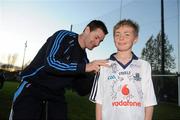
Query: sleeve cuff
{"type": "Point", "coordinates": [81, 68]}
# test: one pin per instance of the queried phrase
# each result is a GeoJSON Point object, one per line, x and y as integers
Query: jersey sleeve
{"type": "Point", "coordinates": [96, 95]}
{"type": "Point", "coordinates": [149, 95]}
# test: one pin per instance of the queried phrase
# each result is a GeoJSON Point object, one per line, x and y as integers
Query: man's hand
{"type": "Point", "coordinates": [94, 66]}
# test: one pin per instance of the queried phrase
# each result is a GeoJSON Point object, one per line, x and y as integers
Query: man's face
{"type": "Point", "coordinates": [94, 38]}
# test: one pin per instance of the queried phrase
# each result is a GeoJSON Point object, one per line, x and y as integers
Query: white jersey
{"type": "Point", "coordinates": [124, 90]}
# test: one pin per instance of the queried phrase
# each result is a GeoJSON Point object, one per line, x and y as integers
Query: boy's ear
{"type": "Point", "coordinates": [135, 40]}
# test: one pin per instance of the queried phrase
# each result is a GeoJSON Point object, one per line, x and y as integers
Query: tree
{"type": "Point", "coordinates": [152, 53]}
{"type": "Point", "coordinates": [11, 60]}
{"type": "Point", "coordinates": [148, 52]}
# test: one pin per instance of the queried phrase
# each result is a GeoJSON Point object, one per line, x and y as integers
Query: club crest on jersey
{"type": "Point", "coordinates": [114, 68]}
{"type": "Point", "coordinates": [137, 77]}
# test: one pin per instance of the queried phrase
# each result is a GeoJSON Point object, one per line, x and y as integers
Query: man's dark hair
{"type": "Point", "coordinates": [93, 25]}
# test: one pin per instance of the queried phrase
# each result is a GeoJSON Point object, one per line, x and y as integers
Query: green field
{"type": "Point", "coordinates": [80, 108]}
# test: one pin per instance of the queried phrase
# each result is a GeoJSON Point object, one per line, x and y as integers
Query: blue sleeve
{"type": "Point", "coordinates": [56, 64]}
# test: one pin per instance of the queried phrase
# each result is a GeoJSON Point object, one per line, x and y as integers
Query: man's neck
{"type": "Point", "coordinates": [81, 41]}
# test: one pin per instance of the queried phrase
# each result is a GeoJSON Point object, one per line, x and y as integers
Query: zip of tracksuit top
{"type": "Point", "coordinates": [58, 62]}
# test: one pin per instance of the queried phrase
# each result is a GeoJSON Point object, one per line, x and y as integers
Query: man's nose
{"type": "Point", "coordinates": [97, 42]}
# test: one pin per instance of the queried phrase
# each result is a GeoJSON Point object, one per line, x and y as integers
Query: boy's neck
{"type": "Point", "coordinates": [124, 57]}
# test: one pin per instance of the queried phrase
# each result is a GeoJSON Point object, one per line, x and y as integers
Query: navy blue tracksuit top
{"type": "Point", "coordinates": [60, 63]}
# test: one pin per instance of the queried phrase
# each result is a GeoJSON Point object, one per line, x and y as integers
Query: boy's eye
{"type": "Point", "coordinates": [127, 34]}
{"type": "Point", "coordinates": [117, 35]}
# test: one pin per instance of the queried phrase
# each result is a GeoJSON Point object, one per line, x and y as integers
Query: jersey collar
{"type": "Point", "coordinates": [134, 57]}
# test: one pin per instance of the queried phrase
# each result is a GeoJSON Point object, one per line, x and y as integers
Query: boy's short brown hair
{"type": "Point", "coordinates": [127, 22]}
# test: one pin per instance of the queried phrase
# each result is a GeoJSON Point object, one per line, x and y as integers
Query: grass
{"type": "Point", "coordinates": [5, 99]}
{"type": "Point", "coordinates": [80, 108]}
{"type": "Point", "coordinates": [167, 111]}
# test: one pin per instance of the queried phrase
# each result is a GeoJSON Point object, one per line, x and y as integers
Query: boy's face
{"type": "Point", "coordinates": [124, 38]}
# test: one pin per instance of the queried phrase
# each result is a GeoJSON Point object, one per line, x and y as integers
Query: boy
{"type": "Point", "coordinates": [125, 90]}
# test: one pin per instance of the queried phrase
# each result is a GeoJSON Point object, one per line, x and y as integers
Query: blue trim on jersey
{"type": "Point", "coordinates": [32, 73]}
{"type": "Point", "coordinates": [124, 66]}
{"type": "Point", "coordinates": [19, 90]}
{"type": "Point", "coordinates": [134, 57]}
{"type": "Point", "coordinates": [55, 43]}
{"type": "Point", "coordinates": [51, 58]}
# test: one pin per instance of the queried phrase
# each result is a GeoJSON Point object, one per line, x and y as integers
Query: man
{"type": "Point", "coordinates": [61, 62]}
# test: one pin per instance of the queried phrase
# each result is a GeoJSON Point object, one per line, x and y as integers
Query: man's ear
{"type": "Point", "coordinates": [87, 30]}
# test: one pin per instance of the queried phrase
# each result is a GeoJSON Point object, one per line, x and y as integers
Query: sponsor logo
{"type": "Point", "coordinates": [125, 90]}
{"type": "Point", "coordinates": [126, 103]}
{"type": "Point", "coordinates": [124, 73]}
